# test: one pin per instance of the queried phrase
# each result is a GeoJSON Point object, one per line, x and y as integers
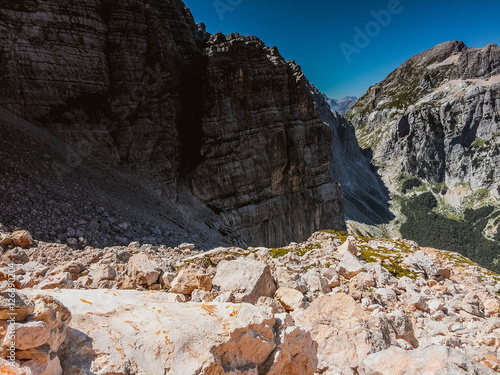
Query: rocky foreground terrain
{"type": "Point", "coordinates": [335, 304]}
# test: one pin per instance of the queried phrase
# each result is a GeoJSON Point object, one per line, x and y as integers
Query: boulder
{"type": "Point", "coordinates": [345, 333]}
{"type": "Point", "coordinates": [52, 366]}
{"type": "Point", "coordinates": [431, 360]}
{"type": "Point", "coordinates": [5, 240]}
{"type": "Point", "coordinates": [421, 263]}
{"type": "Point", "coordinates": [41, 353]}
{"type": "Point", "coordinates": [403, 327]}
{"type": "Point", "coordinates": [74, 268]}
{"type": "Point", "coordinates": [348, 247]}
{"type": "Point", "coordinates": [247, 279]}
{"type": "Point", "coordinates": [55, 315]}
{"type": "Point", "coordinates": [103, 272]}
{"type": "Point", "coordinates": [21, 308]}
{"type": "Point", "coordinates": [296, 353]}
{"type": "Point", "coordinates": [350, 266]}
{"type": "Point", "coordinates": [29, 335]}
{"type": "Point", "coordinates": [115, 331]}
{"type": "Point", "coordinates": [362, 281]}
{"type": "Point", "coordinates": [142, 270]}
{"type": "Point", "coordinates": [62, 280]}
{"type": "Point", "coordinates": [189, 279]}
{"type": "Point", "coordinates": [291, 299]}
{"type": "Point", "coordinates": [275, 305]}
{"type": "Point", "coordinates": [291, 280]}
{"type": "Point", "coordinates": [22, 238]}
{"type": "Point", "coordinates": [16, 255]}
{"type": "Point", "coordinates": [316, 283]}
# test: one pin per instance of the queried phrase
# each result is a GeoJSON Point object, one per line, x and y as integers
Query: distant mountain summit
{"type": "Point", "coordinates": [433, 127]}
{"type": "Point", "coordinates": [340, 105]}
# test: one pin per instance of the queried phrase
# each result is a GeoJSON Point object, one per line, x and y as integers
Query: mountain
{"type": "Point", "coordinates": [340, 105]}
{"type": "Point", "coordinates": [366, 199]}
{"type": "Point", "coordinates": [433, 127]}
{"type": "Point", "coordinates": [156, 160]}
{"type": "Point", "coordinates": [221, 126]}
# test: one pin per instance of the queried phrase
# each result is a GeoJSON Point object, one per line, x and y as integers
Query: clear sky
{"type": "Point", "coordinates": [319, 34]}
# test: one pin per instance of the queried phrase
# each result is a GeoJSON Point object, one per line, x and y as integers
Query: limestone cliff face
{"type": "Point", "coordinates": [265, 147]}
{"type": "Point", "coordinates": [105, 75]}
{"type": "Point", "coordinates": [129, 82]}
{"type": "Point", "coordinates": [433, 127]}
{"type": "Point", "coordinates": [438, 115]}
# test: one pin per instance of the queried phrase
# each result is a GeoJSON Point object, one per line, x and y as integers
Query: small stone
{"type": "Point", "coordinates": [456, 327]}
{"type": "Point", "coordinates": [491, 307]}
{"type": "Point", "coordinates": [348, 247]}
{"type": "Point", "coordinates": [226, 297]}
{"type": "Point", "coordinates": [350, 266]}
{"type": "Point", "coordinates": [29, 335]}
{"type": "Point", "coordinates": [198, 295]}
{"type": "Point", "coordinates": [386, 295]}
{"type": "Point", "coordinates": [276, 306]}
{"type": "Point", "coordinates": [22, 238]}
{"type": "Point", "coordinates": [291, 299]}
{"type": "Point", "coordinates": [418, 301]}
{"type": "Point", "coordinates": [435, 305]}
{"type": "Point", "coordinates": [72, 241]}
{"type": "Point", "coordinates": [186, 246]}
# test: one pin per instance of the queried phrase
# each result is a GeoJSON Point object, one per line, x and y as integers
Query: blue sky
{"type": "Point", "coordinates": [312, 32]}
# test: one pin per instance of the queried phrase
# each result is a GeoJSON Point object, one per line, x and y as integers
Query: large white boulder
{"type": "Point", "coordinates": [432, 360]}
{"type": "Point", "coordinates": [247, 279]}
{"type": "Point", "coordinates": [125, 331]}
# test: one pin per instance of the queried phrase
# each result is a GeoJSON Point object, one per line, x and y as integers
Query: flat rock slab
{"type": "Point", "coordinates": [127, 331]}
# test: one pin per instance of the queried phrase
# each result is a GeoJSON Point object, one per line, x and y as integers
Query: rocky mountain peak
{"type": "Point", "coordinates": [439, 53]}
{"type": "Point", "coordinates": [433, 127]}
{"type": "Point", "coordinates": [220, 125]}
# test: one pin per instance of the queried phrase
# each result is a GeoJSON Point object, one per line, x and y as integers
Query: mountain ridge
{"type": "Point", "coordinates": [179, 111]}
{"type": "Point", "coordinates": [431, 125]}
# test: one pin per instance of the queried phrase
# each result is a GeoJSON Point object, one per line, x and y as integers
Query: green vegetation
{"type": "Point", "coordinates": [340, 235]}
{"type": "Point", "coordinates": [388, 252]}
{"type": "Point", "coordinates": [391, 260]}
{"type": "Point", "coordinates": [479, 143]}
{"type": "Point", "coordinates": [280, 252]}
{"type": "Point", "coordinates": [410, 184]}
{"type": "Point", "coordinates": [432, 229]}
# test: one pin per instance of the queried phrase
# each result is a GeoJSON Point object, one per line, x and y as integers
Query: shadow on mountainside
{"type": "Point", "coordinates": [60, 193]}
{"type": "Point", "coordinates": [366, 198]}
